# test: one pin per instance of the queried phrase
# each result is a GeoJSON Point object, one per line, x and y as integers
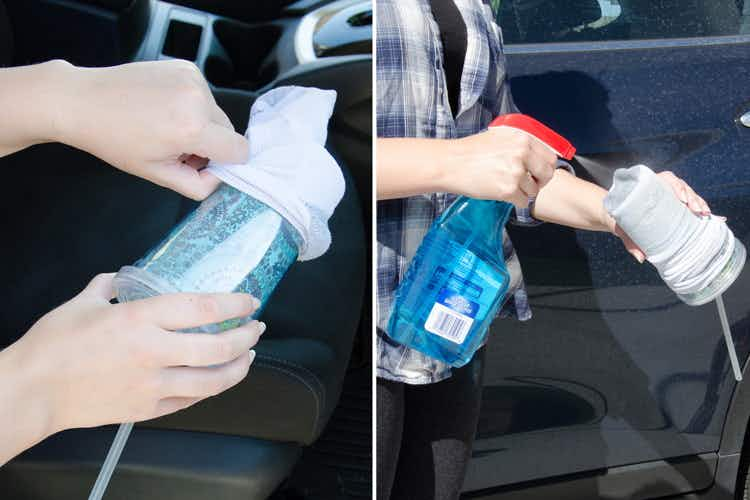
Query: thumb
{"type": "Point", "coordinates": [638, 254]}
{"type": "Point", "coordinates": [633, 249]}
{"type": "Point", "coordinates": [195, 184]}
{"type": "Point", "coordinates": [221, 145]}
{"type": "Point", "coordinates": [630, 245]}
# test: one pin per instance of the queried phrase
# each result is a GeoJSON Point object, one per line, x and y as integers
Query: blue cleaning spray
{"type": "Point", "coordinates": [457, 280]}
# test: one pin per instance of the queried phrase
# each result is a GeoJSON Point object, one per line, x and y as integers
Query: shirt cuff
{"type": "Point", "coordinates": [522, 216]}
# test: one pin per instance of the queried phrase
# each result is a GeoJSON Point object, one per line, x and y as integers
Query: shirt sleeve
{"type": "Point", "coordinates": [522, 216]}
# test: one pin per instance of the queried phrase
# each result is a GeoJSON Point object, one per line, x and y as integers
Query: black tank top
{"type": "Point", "coordinates": [453, 37]}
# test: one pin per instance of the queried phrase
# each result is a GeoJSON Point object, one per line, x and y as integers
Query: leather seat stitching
{"type": "Point", "coordinates": [292, 364]}
{"type": "Point", "coordinates": [316, 397]}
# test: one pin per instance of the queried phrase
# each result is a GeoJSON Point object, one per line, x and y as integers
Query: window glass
{"type": "Point", "coordinates": [539, 21]}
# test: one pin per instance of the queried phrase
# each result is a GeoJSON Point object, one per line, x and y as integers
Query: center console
{"type": "Point", "coordinates": [250, 56]}
{"type": "Point", "coordinates": [324, 44]}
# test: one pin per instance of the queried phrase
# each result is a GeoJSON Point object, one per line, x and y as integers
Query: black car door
{"type": "Point", "coordinates": [613, 370]}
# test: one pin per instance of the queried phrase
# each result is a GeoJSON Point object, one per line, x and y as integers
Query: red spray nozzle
{"type": "Point", "coordinates": [558, 143]}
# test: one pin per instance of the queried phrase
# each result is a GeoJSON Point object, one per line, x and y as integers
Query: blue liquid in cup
{"type": "Point", "coordinates": [455, 284]}
{"type": "Point", "coordinates": [230, 243]}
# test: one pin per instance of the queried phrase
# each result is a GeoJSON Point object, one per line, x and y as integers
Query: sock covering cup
{"type": "Point", "coordinates": [697, 257]}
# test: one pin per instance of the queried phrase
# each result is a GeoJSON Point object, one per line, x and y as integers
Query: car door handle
{"type": "Point", "coordinates": [745, 119]}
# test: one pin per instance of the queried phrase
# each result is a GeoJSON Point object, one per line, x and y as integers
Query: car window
{"type": "Point", "coordinates": [539, 21]}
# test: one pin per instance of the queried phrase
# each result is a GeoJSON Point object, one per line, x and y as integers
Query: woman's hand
{"type": "Point", "coordinates": [157, 120]}
{"type": "Point", "coordinates": [502, 163]}
{"type": "Point", "coordinates": [90, 363]}
{"type": "Point", "coordinates": [684, 193]}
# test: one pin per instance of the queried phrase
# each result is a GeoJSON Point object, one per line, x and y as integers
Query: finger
{"type": "Point", "coordinates": [206, 349]}
{"type": "Point", "coordinates": [203, 382]}
{"type": "Point", "coordinates": [221, 145]}
{"type": "Point", "coordinates": [684, 196]}
{"type": "Point", "coordinates": [638, 254]}
{"type": "Point", "coordinates": [631, 247]}
{"type": "Point", "coordinates": [542, 162]}
{"type": "Point", "coordinates": [529, 186]}
{"type": "Point", "coordinates": [679, 187]}
{"type": "Point", "coordinates": [701, 207]}
{"type": "Point", "coordinates": [171, 405]}
{"type": "Point", "coordinates": [193, 161]}
{"type": "Point", "coordinates": [706, 208]}
{"type": "Point", "coordinates": [186, 180]}
{"type": "Point", "coordinates": [693, 204]}
{"type": "Point", "coordinates": [177, 311]}
{"type": "Point", "coordinates": [100, 287]}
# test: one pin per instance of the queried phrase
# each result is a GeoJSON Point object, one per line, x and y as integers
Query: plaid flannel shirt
{"type": "Point", "coordinates": [412, 101]}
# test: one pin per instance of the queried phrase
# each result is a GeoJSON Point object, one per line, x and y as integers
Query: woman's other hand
{"type": "Point", "coordinates": [90, 363]}
{"type": "Point", "coordinates": [684, 193]}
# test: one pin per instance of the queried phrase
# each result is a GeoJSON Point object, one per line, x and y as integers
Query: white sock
{"type": "Point", "coordinates": [689, 251]}
{"type": "Point", "coordinates": [288, 167]}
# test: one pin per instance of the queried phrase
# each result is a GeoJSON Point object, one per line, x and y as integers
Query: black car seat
{"type": "Point", "coordinates": [241, 444]}
{"type": "Point", "coordinates": [6, 37]}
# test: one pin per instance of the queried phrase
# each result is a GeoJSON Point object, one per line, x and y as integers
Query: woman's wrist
{"type": "Point", "coordinates": [31, 98]}
{"type": "Point", "coordinates": [446, 156]}
{"type": "Point", "coordinates": [66, 95]}
{"type": "Point", "coordinates": [25, 405]}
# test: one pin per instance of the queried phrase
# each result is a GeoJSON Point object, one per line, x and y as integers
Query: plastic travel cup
{"type": "Point", "coordinates": [230, 243]}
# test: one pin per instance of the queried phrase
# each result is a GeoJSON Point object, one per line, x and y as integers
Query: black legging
{"type": "Point", "coordinates": [425, 434]}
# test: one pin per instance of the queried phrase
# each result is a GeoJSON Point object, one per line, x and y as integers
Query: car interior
{"type": "Point", "coordinates": [299, 426]}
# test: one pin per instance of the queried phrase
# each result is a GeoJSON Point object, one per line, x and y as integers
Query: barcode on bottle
{"type": "Point", "coordinates": [448, 324]}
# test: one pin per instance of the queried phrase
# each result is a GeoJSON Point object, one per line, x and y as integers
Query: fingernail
{"type": "Point", "coordinates": [252, 356]}
{"type": "Point", "coordinates": [256, 302]}
{"type": "Point", "coordinates": [640, 259]}
{"type": "Point", "coordinates": [261, 328]}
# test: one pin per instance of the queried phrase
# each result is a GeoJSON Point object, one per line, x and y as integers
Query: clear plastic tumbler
{"type": "Point", "coordinates": [230, 243]}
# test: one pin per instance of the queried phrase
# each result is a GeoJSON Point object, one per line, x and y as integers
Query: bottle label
{"type": "Point", "coordinates": [451, 316]}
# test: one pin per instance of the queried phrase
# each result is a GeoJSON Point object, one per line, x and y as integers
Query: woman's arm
{"type": "Point", "coordinates": [157, 119]}
{"type": "Point", "coordinates": [30, 97]}
{"type": "Point", "coordinates": [570, 201]}
{"type": "Point", "coordinates": [90, 363]}
{"type": "Point", "coordinates": [499, 164]}
{"type": "Point", "coordinates": [408, 167]}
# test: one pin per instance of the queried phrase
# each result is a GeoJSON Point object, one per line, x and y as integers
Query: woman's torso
{"type": "Point", "coordinates": [413, 101]}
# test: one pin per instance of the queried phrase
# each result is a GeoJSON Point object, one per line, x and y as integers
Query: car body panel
{"type": "Point", "coordinates": [613, 369]}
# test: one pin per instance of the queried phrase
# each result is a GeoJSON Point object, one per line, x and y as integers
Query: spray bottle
{"type": "Point", "coordinates": [457, 280]}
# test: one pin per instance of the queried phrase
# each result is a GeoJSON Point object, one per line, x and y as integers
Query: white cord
{"type": "Point", "coordinates": [728, 339]}
{"type": "Point", "coordinates": [110, 462]}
